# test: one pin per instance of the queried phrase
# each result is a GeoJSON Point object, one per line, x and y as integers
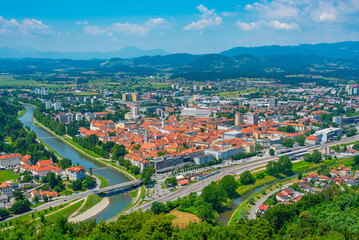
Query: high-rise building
{"type": "Point", "coordinates": [126, 97]}
{"type": "Point", "coordinates": [134, 111]}
{"type": "Point", "coordinates": [272, 103]}
{"type": "Point", "coordinates": [79, 116]}
{"type": "Point", "coordinates": [337, 120]}
{"type": "Point", "coordinates": [195, 87]}
{"type": "Point", "coordinates": [57, 106]}
{"type": "Point", "coordinates": [350, 90]}
{"type": "Point", "coordinates": [238, 118]}
{"type": "Point", "coordinates": [134, 97]}
{"type": "Point", "coordinates": [48, 105]}
{"type": "Point", "coordinates": [252, 119]}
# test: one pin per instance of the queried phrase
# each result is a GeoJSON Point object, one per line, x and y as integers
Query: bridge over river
{"type": "Point", "coordinates": [121, 186]}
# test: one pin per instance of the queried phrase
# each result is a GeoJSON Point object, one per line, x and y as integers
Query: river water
{"type": "Point", "coordinates": [117, 202]}
{"type": "Point", "coordinates": [225, 217]}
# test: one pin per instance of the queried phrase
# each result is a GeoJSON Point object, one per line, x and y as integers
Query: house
{"type": "Point", "coordinates": [305, 187]}
{"type": "Point", "coordinates": [282, 196]}
{"type": "Point", "coordinates": [25, 159]}
{"type": "Point", "coordinates": [334, 173]}
{"type": "Point", "coordinates": [182, 182]}
{"type": "Point", "coordinates": [7, 189]}
{"type": "Point", "coordinates": [42, 194]}
{"type": "Point", "coordinates": [262, 209]}
{"type": "Point", "coordinates": [3, 199]}
{"type": "Point", "coordinates": [290, 192]}
{"type": "Point", "coordinates": [312, 177]}
{"type": "Point", "coordinates": [312, 140]}
{"type": "Point", "coordinates": [298, 198]}
{"type": "Point", "coordinates": [357, 173]}
{"type": "Point", "coordinates": [323, 178]}
{"type": "Point", "coordinates": [76, 173]}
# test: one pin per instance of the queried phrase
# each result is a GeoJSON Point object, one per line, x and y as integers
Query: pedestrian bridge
{"type": "Point", "coordinates": [118, 187]}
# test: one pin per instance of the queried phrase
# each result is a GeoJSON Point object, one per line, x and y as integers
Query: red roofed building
{"type": "Point", "coordinates": [312, 140]}
{"type": "Point", "coordinates": [282, 196]}
{"type": "Point", "coordinates": [7, 189]}
{"type": "Point", "coordinates": [76, 173]}
{"type": "Point", "coordinates": [25, 159]}
{"type": "Point", "coordinates": [10, 160]}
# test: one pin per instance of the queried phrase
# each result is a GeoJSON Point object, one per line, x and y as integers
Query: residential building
{"type": "Point", "coordinates": [76, 173]}
{"type": "Point", "coordinates": [7, 189]}
{"type": "Point", "coordinates": [238, 118]}
{"type": "Point", "coordinates": [252, 119]}
{"type": "Point", "coordinates": [10, 160]}
{"type": "Point", "coordinates": [134, 97]}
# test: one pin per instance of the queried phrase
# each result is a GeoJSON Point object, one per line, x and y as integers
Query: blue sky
{"type": "Point", "coordinates": [176, 26]}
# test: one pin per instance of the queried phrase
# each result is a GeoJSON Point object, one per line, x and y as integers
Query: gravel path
{"type": "Point", "coordinates": [92, 211]}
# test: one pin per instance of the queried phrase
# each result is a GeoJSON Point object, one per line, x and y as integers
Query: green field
{"type": "Point", "coordinates": [7, 175]}
{"type": "Point", "coordinates": [20, 114]}
{"type": "Point", "coordinates": [104, 182]}
{"type": "Point", "coordinates": [65, 212]}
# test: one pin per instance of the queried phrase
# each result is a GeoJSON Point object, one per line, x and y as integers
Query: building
{"type": "Point", "coordinates": [312, 140]}
{"type": "Point", "coordinates": [57, 106]}
{"type": "Point", "coordinates": [194, 112]}
{"type": "Point", "coordinates": [203, 159]}
{"type": "Point", "coordinates": [10, 160]}
{"type": "Point", "coordinates": [272, 103]}
{"type": "Point", "coordinates": [48, 105]}
{"type": "Point", "coordinates": [7, 189]}
{"type": "Point", "coordinates": [224, 153]}
{"type": "Point", "coordinates": [328, 133]}
{"type": "Point", "coordinates": [148, 96]}
{"type": "Point", "coordinates": [79, 117]}
{"type": "Point", "coordinates": [126, 97]}
{"type": "Point", "coordinates": [134, 112]}
{"type": "Point", "coordinates": [238, 118]}
{"type": "Point", "coordinates": [232, 134]}
{"type": "Point", "coordinates": [252, 119]}
{"type": "Point", "coordinates": [337, 120]}
{"type": "Point", "coordinates": [195, 87]}
{"type": "Point", "coordinates": [76, 173]}
{"type": "Point", "coordinates": [134, 97]}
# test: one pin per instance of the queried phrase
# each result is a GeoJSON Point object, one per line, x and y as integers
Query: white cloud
{"type": "Point", "coordinates": [327, 17]}
{"type": "Point", "coordinates": [156, 23]}
{"type": "Point", "coordinates": [126, 28]}
{"type": "Point", "coordinates": [82, 23]}
{"type": "Point", "coordinates": [207, 19]}
{"type": "Point", "coordinates": [26, 28]}
{"type": "Point", "coordinates": [275, 24]}
{"type": "Point", "coordinates": [316, 10]}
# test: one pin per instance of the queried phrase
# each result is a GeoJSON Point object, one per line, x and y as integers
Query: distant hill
{"type": "Point", "coordinates": [127, 52]}
{"type": "Point", "coordinates": [331, 50]}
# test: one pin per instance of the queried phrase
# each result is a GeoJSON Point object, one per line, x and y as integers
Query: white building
{"type": "Point", "coordinates": [48, 105]}
{"type": "Point", "coordinates": [194, 112]}
{"type": "Point", "coordinates": [337, 120]}
{"type": "Point", "coordinates": [79, 116]}
{"type": "Point", "coordinates": [57, 106]}
{"type": "Point", "coordinates": [10, 160]}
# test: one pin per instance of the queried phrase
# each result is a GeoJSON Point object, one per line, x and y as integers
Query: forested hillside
{"type": "Point", "coordinates": [332, 214]}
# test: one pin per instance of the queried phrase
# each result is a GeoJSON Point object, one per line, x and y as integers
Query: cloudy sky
{"type": "Point", "coordinates": [176, 26]}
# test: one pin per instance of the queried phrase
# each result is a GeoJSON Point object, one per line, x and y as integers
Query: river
{"type": "Point", "coordinates": [117, 202]}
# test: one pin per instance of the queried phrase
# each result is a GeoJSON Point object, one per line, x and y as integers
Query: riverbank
{"type": "Point", "coordinates": [93, 211]}
{"type": "Point", "coordinates": [101, 160]}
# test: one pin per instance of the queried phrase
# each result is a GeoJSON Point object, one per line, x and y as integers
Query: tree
{"type": "Point", "coordinates": [65, 163]}
{"type": "Point", "coordinates": [4, 213]}
{"type": "Point", "coordinates": [20, 206]}
{"type": "Point", "coordinates": [258, 147]}
{"type": "Point", "coordinates": [251, 200]}
{"type": "Point", "coordinates": [229, 184]}
{"type": "Point", "coordinates": [147, 176]}
{"type": "Point", "coordinates": [300, 176]}
{"type": "Point", "coordinates": [89, 182]}
{"type": "Point", "coordinates": [301, 140]}
{"type": "Point", "coordinates": [316, 156]}
{"type": "Point", "coordinates": [290, 129]}
{"type": "Point", "coordinates": [351, 132]}
{"type": "Point", "coordinates": [135, 170]}
{"type": "Point", "coordinates": [18, 194]}
{"type": "Point", "coordinates": [246, 178]}
{"type": "Point", "coordinates": [356, 160]}
{"type": "Point", "coordinates": [307, 158]}
{"type": "Point", "coordinates": [171, 181]}
{"type": "Point", "coordinates": [77, 185]}
{"type": "Point", "coordinates": [271, 152]}
{"type": "Point", "coordinates": [215, 195]}
{"type": "Point", "coordinates": [205, 211]}
{"type": "Point", "coordinates": [158, 207]}
{"type": "Point", "coordinates": [288, 142]}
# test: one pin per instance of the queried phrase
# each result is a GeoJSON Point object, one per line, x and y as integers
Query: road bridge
{"type": "Point", "coordinates": [121, 186]}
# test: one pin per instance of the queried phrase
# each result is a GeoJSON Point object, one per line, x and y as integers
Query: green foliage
{"type": "Point", "coordinates": [65, 163]}
{"type": "Point", "coordinates": [89, 182]}
{"type": "Point", "coordinates": [147, 175]}
{"type": "Point", "coordinates": [171, 181]}
{"type": "Point", "coordinates": [77, 185]}
{"type": "Point", "coordinates": [283, 166]}
{"type": "Point", "coordinates": [18, 194]}
{"type": "Point", "coordinates": [21, 206]}
{"type": "Point", "coordinates": [271, 152]}
{"type": "Point", "coordinates": [315, 157]}
{"type": "Point", "coordinates": [246, 178]}
{"type": "Point", "coordinates": [288, 142]}
{"type": "Point", "coordinates": [301, 140]}
{"type": "Point", "coordinates": [229, 184]}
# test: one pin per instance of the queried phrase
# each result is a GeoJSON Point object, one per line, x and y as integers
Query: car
{"type": "Point", "coordinates": [65, 200]}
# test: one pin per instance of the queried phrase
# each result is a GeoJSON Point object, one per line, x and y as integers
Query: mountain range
{"type": "Point", "coordinates": [330, 50]}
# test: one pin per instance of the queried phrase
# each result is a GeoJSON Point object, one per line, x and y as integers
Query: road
{"type": "Point", "coordinates": [237, 169]}
{"type": "Point", "coordinates": [252, 214]}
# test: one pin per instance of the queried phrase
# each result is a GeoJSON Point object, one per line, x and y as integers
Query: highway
{"type": "Point", "coordinates": [236, 169]}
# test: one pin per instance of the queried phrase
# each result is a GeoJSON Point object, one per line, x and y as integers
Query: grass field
{"type": "Point", "coordinates": [7, 175]}
{"type": "Point", "coordinates": [20, 114]}
{"type": "Point", "coordinates": [182, 219]}
{"type": "Point", "coordinates": [104, 182]}
{"type": "Point", "coordinates": [65, 212]}
{"type": "Point", "coordinates": [91, 201]}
